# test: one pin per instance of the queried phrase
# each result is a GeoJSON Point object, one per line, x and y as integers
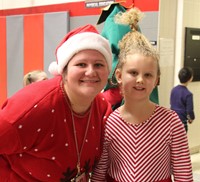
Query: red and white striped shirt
{"type": "Point", "coordinates": [146, 152]}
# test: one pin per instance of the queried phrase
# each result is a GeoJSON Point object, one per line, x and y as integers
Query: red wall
{"type": "Point", "coordinates": [75, 9]}
{"type": "Point", "coordinates": [79, 9]}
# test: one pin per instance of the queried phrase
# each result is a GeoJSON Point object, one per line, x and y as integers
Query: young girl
{"type": "Point", "coordinates": [119, 22]}
{"type": "Point", "coordinates": [143, 141]}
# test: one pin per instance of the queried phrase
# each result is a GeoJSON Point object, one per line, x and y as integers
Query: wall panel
{"type": "Point", "coordinates": [15, 53]}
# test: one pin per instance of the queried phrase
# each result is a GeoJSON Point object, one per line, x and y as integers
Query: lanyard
{"type": "Point", "coordinates": [74, 130]}
{"type": "Point", "coordinates": [76, 141]}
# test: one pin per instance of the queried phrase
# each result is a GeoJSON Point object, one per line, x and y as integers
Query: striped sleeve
{"type": "Point", "coordinates": [180, 156]}
{"type": "Point", "coordinates": [100, 171]}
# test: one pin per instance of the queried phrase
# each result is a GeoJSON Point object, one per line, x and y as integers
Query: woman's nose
{"type": "Point", "coordinates": [90, 70]}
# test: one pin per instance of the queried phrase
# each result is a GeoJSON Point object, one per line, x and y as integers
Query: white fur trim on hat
{"type": "Point", "coordinates": [53, 68]}
{"type": "Point", "coordinates": [77, 43]}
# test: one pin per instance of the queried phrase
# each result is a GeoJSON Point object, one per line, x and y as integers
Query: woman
{"type": "Point", "coordinates": [51, 130]}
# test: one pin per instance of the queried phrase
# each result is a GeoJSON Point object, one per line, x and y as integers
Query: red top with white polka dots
{"type": "Point", "coordinates": [37, 138]}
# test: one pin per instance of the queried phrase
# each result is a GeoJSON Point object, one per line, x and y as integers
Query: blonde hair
{"type": "Point", "coordinates": [134, 42]}
{"type": "Point", "coordinates": [34, 76]}
{"type": "Point", "coordinates": [130, 17]}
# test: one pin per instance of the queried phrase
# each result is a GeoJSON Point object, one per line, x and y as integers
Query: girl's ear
{"type": "Point", "coordinates": [118, 76]}
{"type": "Point", "coordinates": [157, 81]}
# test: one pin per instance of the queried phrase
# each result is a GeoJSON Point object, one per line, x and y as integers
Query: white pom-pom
{"type": "Point", "coordinates": [53, 68]}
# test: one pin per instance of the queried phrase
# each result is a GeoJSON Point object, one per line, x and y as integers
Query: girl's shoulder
{"type": "Point", "coordinates": [167, 116]}
{"type": "Point", "coordinates": [164, 111]}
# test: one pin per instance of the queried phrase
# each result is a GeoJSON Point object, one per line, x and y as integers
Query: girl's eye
{"type": "Point", "coordinates": [148, 75]}
{"type": "Point", "coordinates": [134, 73]}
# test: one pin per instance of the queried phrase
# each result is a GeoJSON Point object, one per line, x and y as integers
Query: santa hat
{"type": "Point", "coordinates": [86, 37]}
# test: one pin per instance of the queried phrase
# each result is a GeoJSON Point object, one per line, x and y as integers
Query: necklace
{"type": "Point", "coordinates": [76, 141]}
{"type": "Point", "coordinates": [75, 133]}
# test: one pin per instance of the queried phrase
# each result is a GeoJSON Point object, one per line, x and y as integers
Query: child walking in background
{"type": "Point", "coordinates": [142, 139]}
{"type": "Point", "coordinates": [181, 99]}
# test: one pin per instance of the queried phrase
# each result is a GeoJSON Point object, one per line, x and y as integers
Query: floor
{"type": "Point", "coordinates": [196, 166]}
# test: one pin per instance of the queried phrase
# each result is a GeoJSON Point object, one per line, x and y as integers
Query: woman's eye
{"type": "Point", "coordinates": [81, 64]}
{"type": "Point", "coordinates": [99, 65]}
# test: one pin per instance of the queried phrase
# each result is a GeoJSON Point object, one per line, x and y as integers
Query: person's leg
{"type": "Point", "coordinates": [185, 125]}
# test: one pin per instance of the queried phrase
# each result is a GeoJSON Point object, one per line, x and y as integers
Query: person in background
{"type": "Point", "coordinates": [56, 135]}
{"type": "Point", "coordinates": [181, 99]}
{"type": "Point", "coordinates": [34, 76]}
{"type": "Point", "coordinates": [143, 141]}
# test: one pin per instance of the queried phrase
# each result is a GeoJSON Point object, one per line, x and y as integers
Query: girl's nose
{"type": "Point", "coordinates": [139, 79]}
